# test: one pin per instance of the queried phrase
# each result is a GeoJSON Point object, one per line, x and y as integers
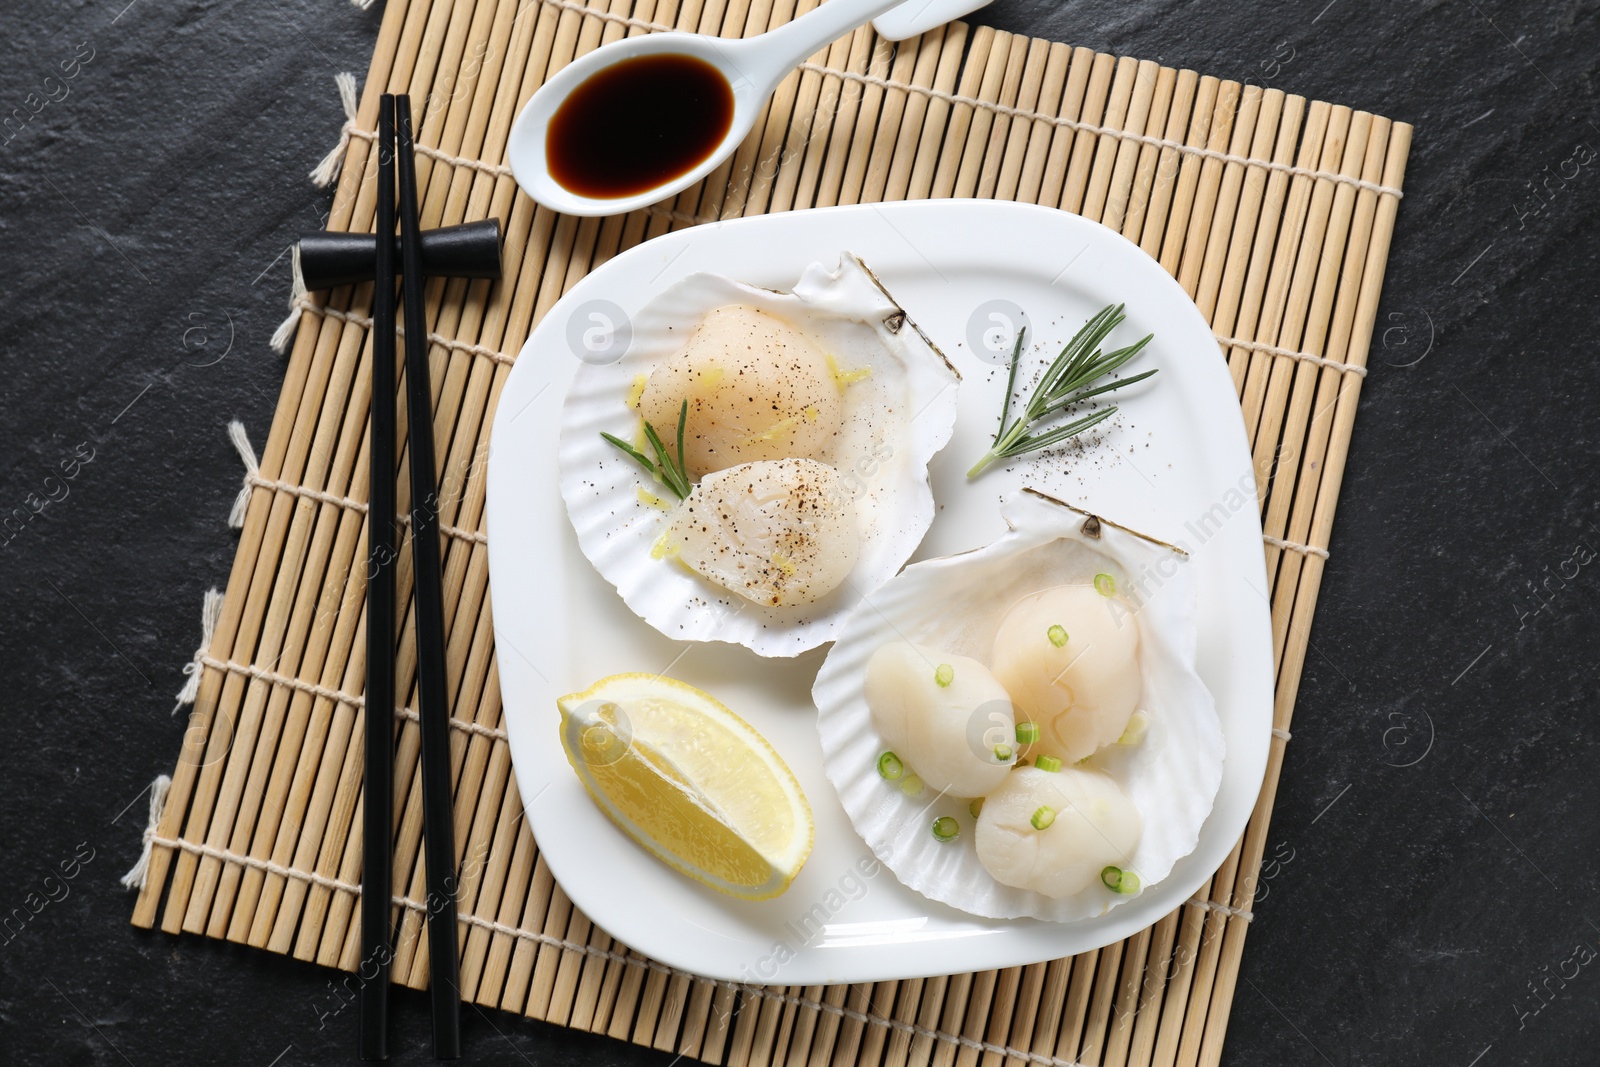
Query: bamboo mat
{"type": "Point", "coordinates": [1274, 213]}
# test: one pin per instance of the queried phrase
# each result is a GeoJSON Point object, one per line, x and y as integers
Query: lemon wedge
{"type": "Point", "coordinates": [690, 781]}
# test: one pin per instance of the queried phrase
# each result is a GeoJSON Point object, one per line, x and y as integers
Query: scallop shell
{"type": "Point", "coordinates": [895, 420]}
{"type": "Point", "coordinates": [956, 603]}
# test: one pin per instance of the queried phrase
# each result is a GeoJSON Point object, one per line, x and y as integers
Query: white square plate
{"type": "Point", "coordinates": [1175, 465]}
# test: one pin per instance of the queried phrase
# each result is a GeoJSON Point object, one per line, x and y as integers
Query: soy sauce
{"type": "Point", "coordinates": [638, 124]}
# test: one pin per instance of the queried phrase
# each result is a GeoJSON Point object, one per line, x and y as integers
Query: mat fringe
{"type": "Point", "coordinates": [135, 878]}
{"type": "Point", "coordinates": [210, 613]}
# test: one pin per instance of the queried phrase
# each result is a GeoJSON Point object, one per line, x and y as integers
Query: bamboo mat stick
{"type": "Point", "coordinates": [834, 96]}
{"type": "Point", "coordinates": [1085, 143]}
{"type": "Point", "coordinates": [1010, 87]}
{"type": "Point", "coordinates": [907, 1000]}
{"type": "Point", "coordinates": [981, 122]}
{"type": "Point", "coordinates": [1226, 295]}
{"type": "Point", "coordinates": [912, 118]}
{"type": "Point", "coordinates": [1275, 305]}
{"type": "Point", "coordinates": [1188, 176]}
{"type": "Point", "coordinates": [1075, 1008]}
{"type": "Point", "coordinates": [1149, 157]}
{"type": "Point", "coordinates": [1100, 1004]}
{"type": "Point", "coordinates": [958, 991]}
{"type": "Point", "coordinates": [1018, 133]}
{"type": "Point", "coordinates": [973, 77]}
{"type": "Point", "coordinates": [864, 180]}
{"type": "Point", "coordinates": [1106, 147]}
{"type": "Point", "coordinates": [1303, 377]}
{"type": "Point", "coordinates": [1002, 1006]}
{"type": "Point", "coordinates": [1259, 273]}
{"type": "Point", "coordinates": [1180, 974]}
{"type": "Point", "coordinates": [1048, 1008]}
{"type": "Point", "coordinates": [975, 1021]}
{"type": "Point", "coordinates": [1209, 269]}
{"type": "Point", "coordinates": [1052, 85]}
{"type": "Point", "coordinates": [1185, 95]}
{"type": "Point", "coordinates": [1265, 416]}
{"type": "Point", "coordinates": [1205, 967]}
{"type": "Point", "coordinates": [1080, 65]}
{"type": "Point", "coordinates": [936, 114]}
{"type": "Point", "coordinates": [1153, 988]}
{"type": "Point", "coordinates": [798, 140]}
{"type": "Point", "coordinates": [1119, 1037]}
{"type": "Point", "coordinates": [805, 1027]}
{"type": "Point", "coordinates": [780, 115]}
{"type": "Point", "coordinates": [1208, 187]}
{"type": "Point", "coordinates": [1126, 159]}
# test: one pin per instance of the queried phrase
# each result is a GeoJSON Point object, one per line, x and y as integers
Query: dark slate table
{"type": "Point", "coordinates": [1436, 839]}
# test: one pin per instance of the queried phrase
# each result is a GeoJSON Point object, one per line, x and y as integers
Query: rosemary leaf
{"type": "Point", "coordinates": [669, 469]}
{"type": "Point", "coordinates": [1068, 379]}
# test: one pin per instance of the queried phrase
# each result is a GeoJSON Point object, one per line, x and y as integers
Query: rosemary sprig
{"type": "Point", "coordinates": [1066, 381]}
{"type": "Point", "coordinates": [664, 466]}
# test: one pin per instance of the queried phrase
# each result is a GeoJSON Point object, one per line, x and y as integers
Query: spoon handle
{"type": "Point", "coordinates": [779, 51]}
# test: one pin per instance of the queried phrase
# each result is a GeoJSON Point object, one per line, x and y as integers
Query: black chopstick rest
{"type": "Point", "coordinates": [438, 808]}
{"type": "Point", "coordinates": [470, 250]}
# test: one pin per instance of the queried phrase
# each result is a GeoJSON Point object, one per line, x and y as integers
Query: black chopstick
{"type": "Point", "coordinates": [377, 825]}
{"type": "Point", "coordinates": [438, 813]}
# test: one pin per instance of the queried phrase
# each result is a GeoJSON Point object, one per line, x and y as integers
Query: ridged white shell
{"type": "Point", "coordinates": [956, 603]}
{"type": "Point", "coordinates": [895, 420]}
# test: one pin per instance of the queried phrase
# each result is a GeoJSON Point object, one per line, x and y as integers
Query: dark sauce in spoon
{"type": "Point", "coordinates": [637, 125]}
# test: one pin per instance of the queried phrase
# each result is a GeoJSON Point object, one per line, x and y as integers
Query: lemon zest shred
{"type": "Point", "coordinates": [782, 426]}
{"type": "Point", "coordinates": [636, 391]}
{"type": "Point", "coordinates": [842, 378]}
{"type": "Point", "coordinates": [665, 547]}
{"type": "Point", "coordinates": [650, 500]}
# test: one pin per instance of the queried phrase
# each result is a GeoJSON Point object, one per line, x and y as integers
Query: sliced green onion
{"type": "Point", "coordinates": [946, 829]}
{"type": "Point", "coordinates": [1120, 881]}
{"type": "Point", "coordinates": [1043, 818]}
{"type": "Point", "coordinates": [1104, 584]}
{"type": "Point", "coordinates": [911, 785]}
{"type": "Point", "coordinates": [1047, 763]}
{"type": "Point", "coordinates": [1057, 635]}
{"type": "Point", "coordinates": [943, 675]}
{"type": "Point", "coordinates": [1003, 753]}
{"type": "Point", "coordinates": [1027, 733]}
{"type": "Point", "coordinates": [975, 808]}
{"type": "Point", "coordinates": [890, 767]}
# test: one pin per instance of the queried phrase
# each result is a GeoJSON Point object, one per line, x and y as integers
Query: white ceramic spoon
{"type": "Point", "coordinates": [753, 67]}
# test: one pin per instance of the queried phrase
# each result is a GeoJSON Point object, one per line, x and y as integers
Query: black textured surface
{"type": "Point", "coordinates": [1436, 842]}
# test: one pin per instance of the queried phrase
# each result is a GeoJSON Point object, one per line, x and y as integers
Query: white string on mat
{"type": "Point", "coordinates": [1225, 909]}
{"type": "Point", "coordinates": [1274, 350]}
{"type": "Point", "coordinates": [1295, 546]}
{"type": "Point", "coordinates": [254, 480]}
{"type": "Point", "coordinates": [1018, 113]}
{"type": "Point", "coordinates": [339, 696]}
